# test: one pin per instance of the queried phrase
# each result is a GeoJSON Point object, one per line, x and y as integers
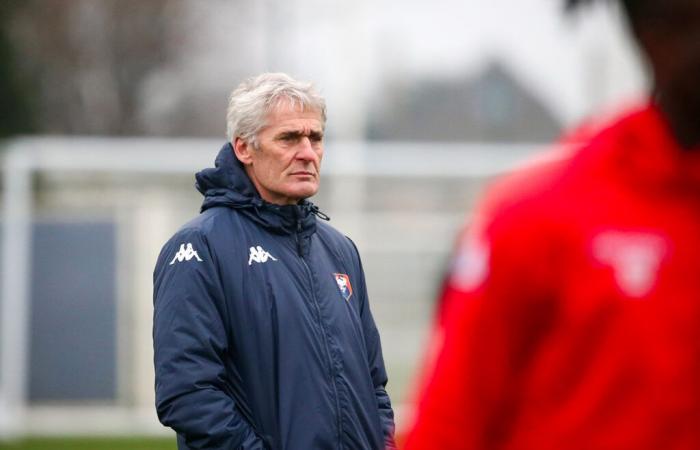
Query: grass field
{"type": "Point", "coordinates": [91, 444]}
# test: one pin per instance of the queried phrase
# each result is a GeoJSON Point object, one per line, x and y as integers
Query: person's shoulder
{"type": "Point", "coordinates": [326, 228]}
{"type": "Point", "coordinates": [339, 242]}
{"type": "Point", "coordinates": [203, 224]}
{"type": "Point", "coordinates": [200, 234]}
{"type": "Point", "coordinates": [550, 178]}
{"type": "Point", "coordinates": [330, 233]}
{"type": "Point", "coordinates": [606, 135]}
{"type": "Point", "coordinates": [204, 229]}
{"type": "Point", "coordinates": [530, 184]}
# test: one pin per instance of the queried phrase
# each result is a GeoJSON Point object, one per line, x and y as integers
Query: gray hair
{"type": "Point", "coordinates": [250, 103]}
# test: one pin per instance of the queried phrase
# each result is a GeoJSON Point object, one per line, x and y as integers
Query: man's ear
{"type": "Point", "coordinates": [243, 151]}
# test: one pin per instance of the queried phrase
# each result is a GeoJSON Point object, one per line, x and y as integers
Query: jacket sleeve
{"type": "Point", "coordinates": [493, 314]}
{"type": "Point", "coordinates": [190, 347]}
{"type": "Point", "coordinates": [376, 364]}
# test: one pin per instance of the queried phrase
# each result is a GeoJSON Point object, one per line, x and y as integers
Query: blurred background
{"type": "Point", "coordinates": [108, 107]}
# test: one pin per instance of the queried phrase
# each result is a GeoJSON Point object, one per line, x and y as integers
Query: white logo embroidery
{"type": "Point", "coordinates": [185, 254]}
{"type": "Point", "coordinates": [470, 266]}
{"type": "Point", "coordinates": [259, 255]}
{"type": "Point", "coordinates": [635, 258]}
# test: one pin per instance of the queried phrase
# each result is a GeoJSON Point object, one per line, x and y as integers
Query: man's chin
{"type": "Point", "coordinates": [303, 192]}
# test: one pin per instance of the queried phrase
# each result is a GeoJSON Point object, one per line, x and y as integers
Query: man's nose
{"type": "Point", "coordinates": [306, 150]}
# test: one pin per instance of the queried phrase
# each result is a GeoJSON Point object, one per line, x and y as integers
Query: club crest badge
{"type": "Point", "coordinates": [344, 285]}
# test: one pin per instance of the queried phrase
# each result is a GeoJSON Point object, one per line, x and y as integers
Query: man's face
{"type": "Point", "coordinates": [285, 168]}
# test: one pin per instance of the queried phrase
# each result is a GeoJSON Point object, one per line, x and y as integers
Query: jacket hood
{"type": "Point", "coordinates": [228, 185]}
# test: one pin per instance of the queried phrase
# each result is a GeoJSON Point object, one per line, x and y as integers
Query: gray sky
{"type": "Point", "coordinates": [352, 48]}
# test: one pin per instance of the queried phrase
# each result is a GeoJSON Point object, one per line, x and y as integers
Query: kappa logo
{"type": "Point", "coordinates": [344, 285]}
{"type": "Point", "coordinates": [185, 254]}
{"type": "Point", "coordinates": [258, 255]}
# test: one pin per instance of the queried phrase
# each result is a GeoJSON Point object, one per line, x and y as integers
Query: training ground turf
{"type": "Point", "coordinates": [91, 444]}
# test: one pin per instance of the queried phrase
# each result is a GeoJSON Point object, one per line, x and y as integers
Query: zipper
{"type": "Point", "coordinates": [331, 371]}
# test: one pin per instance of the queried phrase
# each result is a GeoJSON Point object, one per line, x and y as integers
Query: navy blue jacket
{"type": "Point", "coordinates": [262, 333]}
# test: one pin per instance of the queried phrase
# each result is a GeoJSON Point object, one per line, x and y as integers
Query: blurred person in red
{"type": "Point", "coordinates": [570, 318]}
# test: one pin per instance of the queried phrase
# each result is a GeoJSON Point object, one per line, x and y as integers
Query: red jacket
{"type": "Point", "coordinates": [571, 315]}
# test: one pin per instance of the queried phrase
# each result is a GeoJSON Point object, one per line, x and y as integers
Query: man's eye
{"type": "Point", "coordinates": [294, 138]}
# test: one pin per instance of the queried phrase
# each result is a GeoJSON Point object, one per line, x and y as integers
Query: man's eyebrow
{"type": "Point", "coordinates": [298, 134]}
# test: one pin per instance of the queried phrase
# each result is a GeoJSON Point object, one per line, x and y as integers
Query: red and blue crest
{"type": "Point", "coordinates": [343, 282]}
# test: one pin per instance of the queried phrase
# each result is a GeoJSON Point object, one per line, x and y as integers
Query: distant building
{"type": "Point", "coordinates": [492, 107]}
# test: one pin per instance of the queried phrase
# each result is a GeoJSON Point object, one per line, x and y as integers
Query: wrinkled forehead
{"type": "Point", "coordinates": [290, 111]}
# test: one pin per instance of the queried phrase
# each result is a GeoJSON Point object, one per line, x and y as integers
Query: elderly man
{"type": "Point", "coordinates": [263, 334]}
{"type": "Point", "coordinates": [571, 314]}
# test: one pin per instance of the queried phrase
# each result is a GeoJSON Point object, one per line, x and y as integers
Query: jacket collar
{"type": "Point", "coordinates": [227, 184]}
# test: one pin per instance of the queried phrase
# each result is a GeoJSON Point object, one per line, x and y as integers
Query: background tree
{"type": "Point", "coordinates": [88, 60]}
{"type": "Point", "coordinates": [15, 109]}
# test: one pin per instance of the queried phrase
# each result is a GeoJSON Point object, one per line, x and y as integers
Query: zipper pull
{"type": "Point", "coordinates": [298, 238]}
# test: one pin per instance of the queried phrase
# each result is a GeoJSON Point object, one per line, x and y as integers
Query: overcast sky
{"type": "Point", "coordinates": [352, 48]}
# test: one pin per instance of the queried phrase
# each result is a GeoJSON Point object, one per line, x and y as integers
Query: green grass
{"type": "Point", "coordinates": [91, 444]}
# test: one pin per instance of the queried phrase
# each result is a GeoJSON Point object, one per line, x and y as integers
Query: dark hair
{"type": "Point", "coordinates": [632, 8]}
{"type": "Point", "coordinates": [571, 5]}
